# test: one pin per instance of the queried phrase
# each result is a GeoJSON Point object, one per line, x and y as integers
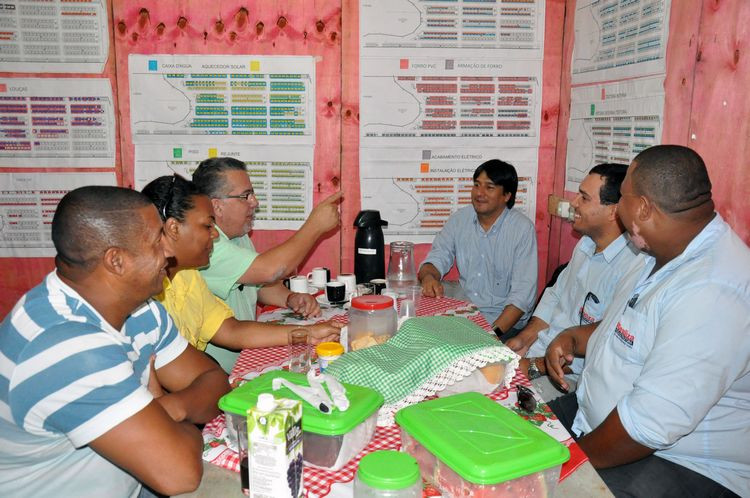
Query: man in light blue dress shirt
{"type": "Point", "coordinates": [585, 287]}
{"type": "Point", "coordinates": [494, 249]}
{"type": "Point", "coordinates": [663, 402]}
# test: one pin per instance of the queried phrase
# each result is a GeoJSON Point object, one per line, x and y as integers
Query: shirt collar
{"type": "Point", "coordinates": [222, 235]}
{"type": "Point", "coordinates": [106, 326]}
{"type": "Point", "coordinates": [498, 222]}
{"type": "Point", "coordinates": [614, 248]}
{"type": "Point", "coordinates": [715, 228]}
{"type": "Point", "coordinates": [588, 246]}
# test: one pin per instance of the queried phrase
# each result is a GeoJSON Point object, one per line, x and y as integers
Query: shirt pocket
{"type": "Point", "coordinates": [590, 312]}
{"type": "Point", "coordinates": [630, 335]}
{"type": "Point", "coordinates": [500, 282]}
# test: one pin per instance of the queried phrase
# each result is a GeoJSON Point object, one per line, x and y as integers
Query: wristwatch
{"type": "Point", "coordinates": [498, 332]}
{"type": "Point", "coordinates": [534, 372]}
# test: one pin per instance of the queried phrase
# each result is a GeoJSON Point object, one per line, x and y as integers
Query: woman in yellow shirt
{"type": "Point", "coordinates": [200, 316]}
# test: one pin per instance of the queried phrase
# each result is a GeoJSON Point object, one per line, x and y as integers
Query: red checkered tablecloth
{"type": "Point", "coordinates": [319, 481]}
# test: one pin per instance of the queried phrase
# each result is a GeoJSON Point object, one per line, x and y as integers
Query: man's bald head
{"type": "Point", "coordinates": [673, 177]}
{"type": "Point", "coordinates": [89, 220]}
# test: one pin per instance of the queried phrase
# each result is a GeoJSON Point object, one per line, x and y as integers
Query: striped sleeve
{"type": "Point", "coordinates": [77, 380]}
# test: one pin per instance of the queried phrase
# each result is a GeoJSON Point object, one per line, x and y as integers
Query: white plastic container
{"type": "Point", "coordinates": [468, 445]}
{"type": "Point", "coordinates": [372, 321]}
{"type": "Point", "coordinates": [329, 440]}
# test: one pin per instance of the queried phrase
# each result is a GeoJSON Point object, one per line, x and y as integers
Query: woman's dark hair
{"type": "Point", "coordinates": [502, 174]}
{"type": "Point", "coordinates": [172, 196]}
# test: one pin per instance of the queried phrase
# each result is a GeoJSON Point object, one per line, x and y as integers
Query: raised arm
{"type": "Point", "coordinates": [284, 259]}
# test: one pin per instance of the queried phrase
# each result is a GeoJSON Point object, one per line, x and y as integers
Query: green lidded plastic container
{"type": "Point", "coordinates": [388, 469]}
{"type": "Point", "coordinates": [329, 439]}
{"type": "Point", "coordinates": [480, 440]}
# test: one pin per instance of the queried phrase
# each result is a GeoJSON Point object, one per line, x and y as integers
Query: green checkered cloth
{"type": "Point", "coordinates": [422, 349]}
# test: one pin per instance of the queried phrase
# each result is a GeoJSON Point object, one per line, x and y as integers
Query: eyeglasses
{"type": "Point", "coordinates": [244, 196]}
{"type": "Point", "coordinates": [591, 296]}
{"type": "Point", "coordinates": [170, 195]}
{"type": "Point", "coordinates": [526, 399]}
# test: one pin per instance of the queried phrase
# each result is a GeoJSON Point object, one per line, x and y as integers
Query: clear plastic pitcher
{"type": "Point", "coordinates": [402, 273]}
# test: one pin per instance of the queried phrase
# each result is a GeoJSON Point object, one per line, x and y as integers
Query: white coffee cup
{"type": "Point", "coordinates": [349, 280]}
{"type": "Point", "coordinates": [318, 277]}
{"type": "Point", "coordinates": [298, 284]}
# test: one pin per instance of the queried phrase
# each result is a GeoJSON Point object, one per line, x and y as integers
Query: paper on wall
{"type": "Point", "coordinates": [27, 205]}
{"type": "Point", "coordinates": [422, 101]}
{"type": "Point", "coordinates": [220, 99]}
{"type": "Point", "coordinates": [416, 190]}
{"type": "Point", "coordinates": [507, 30]}
{"type": "Point", "coordinates": [281, 176]}
{"type": "Point", "coordinates": [57, 122]}
{"type": "Point", "coordinates": [55, 36]}
{"type": "Point", "coordinates": [612, 123]}
{"type": "Point", "coordinates": [616, 40]}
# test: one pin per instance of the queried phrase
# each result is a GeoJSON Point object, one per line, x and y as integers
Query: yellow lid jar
{"type": "Point", "coordinates": [328, 352]}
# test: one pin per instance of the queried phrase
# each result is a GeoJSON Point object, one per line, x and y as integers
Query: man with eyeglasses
{"type": "Point", "coordinates": [237, 273]}
{"type": "Point", "coordinates": [585, 287]}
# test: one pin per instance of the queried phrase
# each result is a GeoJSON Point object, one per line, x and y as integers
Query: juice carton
{"type": "Point", "coordinates": [274, 429]}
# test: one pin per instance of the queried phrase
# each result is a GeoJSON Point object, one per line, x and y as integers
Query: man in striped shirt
{"type": "Point", "coordinates": [98, 391]}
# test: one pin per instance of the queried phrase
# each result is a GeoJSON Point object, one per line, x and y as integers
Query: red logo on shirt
{"type": "Point", "coordinates": [585, 317]}
{"type": "Point", "coordinates": [625, 337]}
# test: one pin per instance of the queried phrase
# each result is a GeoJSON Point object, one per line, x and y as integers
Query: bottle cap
{"type": "Point", "coordinates": [371, 303]}
{"type": "Point", "coordinates": [388, 469]}
{"type": "Point", "coordinates": [329, 349]}
{"type": "Point", "coordinates": [266, 402]}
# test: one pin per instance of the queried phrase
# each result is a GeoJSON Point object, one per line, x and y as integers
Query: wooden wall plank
{"type": "Point", "coordinates": [281, 27]}
{"type": "Point", "coordinates": [555, 10]}
{"type": "Point", "coordinates": [719, 124]}
{"type": "Point", "coordinates": [18, 275]}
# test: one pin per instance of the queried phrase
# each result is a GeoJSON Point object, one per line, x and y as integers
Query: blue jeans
{"type": "Point", "coordinates": [652, 477]}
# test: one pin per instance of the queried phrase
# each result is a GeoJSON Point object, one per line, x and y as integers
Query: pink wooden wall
{"type": "Point", "coordinates": [553, 36]}
{"type": "Point", "coordinates": [17, 275]}
{"type": "Point", "coordinates": [280, 27]}
{"type": "Point", "coordinates": [705, 107]}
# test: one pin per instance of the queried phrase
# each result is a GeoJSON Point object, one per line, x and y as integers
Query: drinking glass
{"type": "Point", "coordinates": [299, 350]}
{"type": "Point", "coordinates": [401, 270]}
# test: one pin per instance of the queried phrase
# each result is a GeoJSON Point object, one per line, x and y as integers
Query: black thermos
{"type": "Point", "coordinates": [369, 246]}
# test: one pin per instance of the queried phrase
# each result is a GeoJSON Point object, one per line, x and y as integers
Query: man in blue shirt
{"type": "Point", "coordinates": [663, 402]}
{"type": "Point", "coordinates": [494, 249]}
{"type": "Point", "coordinates": [585, 287]}
{"type": "Point", "coordinates": [98, 391]}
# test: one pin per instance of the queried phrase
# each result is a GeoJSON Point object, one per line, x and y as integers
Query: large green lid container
{"type": "Point", "coordinates": [479, 439]}
{"type": "Point", "coordinates": [362, 403]}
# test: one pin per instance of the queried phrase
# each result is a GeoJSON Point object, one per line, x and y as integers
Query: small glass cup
{"type": "Point", "coordinates": [299, 350]}
{"type": "Point", "coordinates": [414, 293]}
{"type": "Point", "coordinates": [406, 309]}
{"type": "Point", "coordinates": [242, 443]}
{"type": "Point", "coordinates": [364, 289]}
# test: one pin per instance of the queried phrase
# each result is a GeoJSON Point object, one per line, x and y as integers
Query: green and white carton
{"type": "Point", "coordinates": [274, 431]}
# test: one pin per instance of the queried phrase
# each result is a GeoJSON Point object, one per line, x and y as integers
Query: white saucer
{"type": "Point", "coordinates": [323, 300]}
{"type": "Point", "coordinates": [311, 289]}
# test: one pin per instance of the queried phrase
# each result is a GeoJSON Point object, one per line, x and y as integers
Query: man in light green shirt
{"type": "Point", "coordinates": [237, 273]}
